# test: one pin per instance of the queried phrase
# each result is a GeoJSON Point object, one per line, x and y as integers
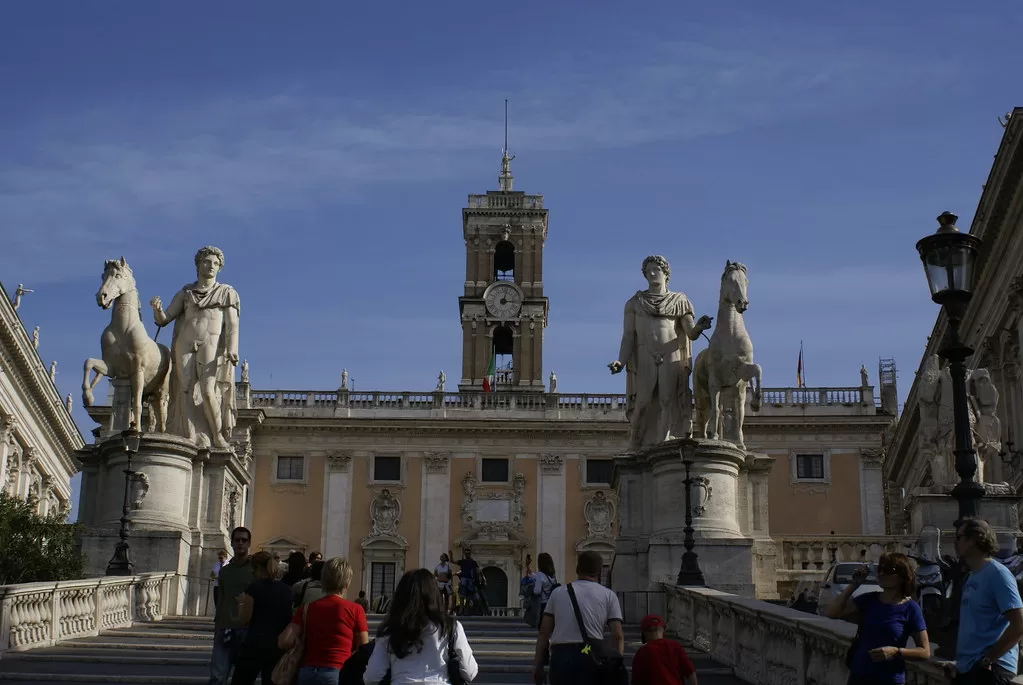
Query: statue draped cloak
{"type": "Point", "coordinates": [191, 420]}
{"type": "Point", "coordinates": [675, 306]}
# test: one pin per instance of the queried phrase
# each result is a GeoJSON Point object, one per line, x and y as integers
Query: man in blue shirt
{"type": "Point", "coordinates": [991, 613]}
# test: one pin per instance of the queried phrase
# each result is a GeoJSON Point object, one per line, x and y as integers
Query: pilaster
{"type": "Point", "coordinates": [337, 510]}
{"type": "Point", "coordinates": [871, 492]}
{"type": "Point", "coordinates": [550, 524]}
{"type": "Point", "coordinates": [435, 508]}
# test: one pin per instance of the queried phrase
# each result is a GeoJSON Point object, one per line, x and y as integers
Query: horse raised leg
{"type": "Point", "coordinates": [98, 366]}
{"type": "Point", "coordinates": [748, 373]}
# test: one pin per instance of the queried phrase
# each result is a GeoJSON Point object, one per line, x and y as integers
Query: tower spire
{"type": "Point", "coordinates": [506, 179]}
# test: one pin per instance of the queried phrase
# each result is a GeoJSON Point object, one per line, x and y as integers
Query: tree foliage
{"type": "Point", "coordinates": [36, 548]}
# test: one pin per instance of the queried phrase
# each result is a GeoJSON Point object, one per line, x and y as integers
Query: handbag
{"type": "Point", "coordinates": [610, 664]}
{"type": "Point", "coordinates": [286, 670]}
{"type": "Point", "coordinates": [454, 658]}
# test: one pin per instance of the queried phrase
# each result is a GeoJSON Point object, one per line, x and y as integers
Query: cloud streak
{"type": "Point", "coordinates": [102, 173]}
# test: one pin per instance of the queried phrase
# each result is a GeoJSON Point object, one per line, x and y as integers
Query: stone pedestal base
{"type": "Point", "coordinates": [934, 506]}
{"type": "Point", "coordinates": [728, 487]}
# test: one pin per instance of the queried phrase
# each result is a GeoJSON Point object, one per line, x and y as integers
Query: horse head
{"type": "Point", "coordinates": [117, 280]}
{"type": "Point", "coordinates": [733, 286]}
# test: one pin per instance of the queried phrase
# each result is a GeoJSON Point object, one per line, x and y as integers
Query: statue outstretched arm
{"type": "Point", "coordinates": [693, 329]}
{"type": "Point", "coordinates": [163, 317]}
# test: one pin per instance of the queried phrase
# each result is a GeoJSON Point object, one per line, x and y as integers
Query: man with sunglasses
{"type": "Point", "coordinates": [229, 631]}
{"type": "Point", "coordinates": [991, 612]}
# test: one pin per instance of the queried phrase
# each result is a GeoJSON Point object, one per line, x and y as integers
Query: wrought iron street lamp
{"type": "Point", "coordinates": [121, 563]}
{"type": "Point", "coordinates": [949, 259]}
{"type": "Point", "coordinates": [833, 548]}
{"type": "Point", "coordinates": [690, 573]}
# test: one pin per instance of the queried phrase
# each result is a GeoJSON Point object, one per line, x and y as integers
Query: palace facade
{"type": "Point", "coordinates": [993, 328]}
{"type": "Point", "coordinates": [393, 479]}
{"type": "Point", "coordinates": [38, 437]}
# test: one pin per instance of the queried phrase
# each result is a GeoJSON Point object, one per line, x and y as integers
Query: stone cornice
{"type": "Point", "coordinates": [39, 392]}
{"type": "Point", "coordinates": [1000, 205]}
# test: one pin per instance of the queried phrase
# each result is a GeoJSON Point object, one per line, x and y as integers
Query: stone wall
{"type": "Point", "coordinates": [765, 643]}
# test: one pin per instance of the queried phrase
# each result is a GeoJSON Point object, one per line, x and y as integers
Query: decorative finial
{"type": "Point", "coordinates": [947, 222]}
{"type": "Point", "coordinates": [506, 179]}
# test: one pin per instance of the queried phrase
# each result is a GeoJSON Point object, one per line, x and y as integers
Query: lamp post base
{"type": "Point", "coordinates": [121, 564]}
{"type": "Point", "coordinates": [690, 574]}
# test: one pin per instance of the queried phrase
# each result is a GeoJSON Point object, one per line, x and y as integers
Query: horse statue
{"type": "Point", "coordinates": [128, 351]}
{"type": "Point", "coordinates": [726, 366]}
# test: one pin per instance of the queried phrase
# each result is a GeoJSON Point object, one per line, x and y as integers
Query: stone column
{"type": "Point", "coordinates": [435, 509]}
{"type": "Point", "coordinates": [550, 523]}
{"type": "Point", "coordinates": [6, 436]}
{"type": "Point", "coordinates": [338, 505]}
{"type": "Point", "coordinates": [31, 457]}
{"type": "Point", "coordinates": [759, 470]}
{"type": "Point", "coordinates": [871, 492]}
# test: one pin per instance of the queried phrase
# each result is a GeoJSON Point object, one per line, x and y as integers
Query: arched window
{"type": "Point", "coordinates": [504, 346]}
{"type": "Point", "coordinates": [504, 261]}
{"type": "Point", "coordinates": [497, 587]}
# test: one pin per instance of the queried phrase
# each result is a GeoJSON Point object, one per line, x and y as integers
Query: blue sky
{"type": "Point", "coordinates": [328, 149]}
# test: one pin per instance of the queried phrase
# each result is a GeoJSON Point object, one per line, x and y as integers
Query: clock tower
{"type": "Point", "coordinates": [503, 308]}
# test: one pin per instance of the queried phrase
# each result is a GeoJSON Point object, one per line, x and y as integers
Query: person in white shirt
{"type": "Point", "coordinates": [559, 630]}
{"type": "Point", "coordinates": [443, 572]}
{"type": "Point", "coordinates": [221, 562]}
{"type": "Point", "coordinates": [417, 640]}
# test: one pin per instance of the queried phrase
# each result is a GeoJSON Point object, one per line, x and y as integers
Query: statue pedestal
{"type": "Point", "coordinates": [183, 502]}
{"type": "Point", "coordinates": [729, 500]}
{"type": "Point", "coordinates": [934, 506]}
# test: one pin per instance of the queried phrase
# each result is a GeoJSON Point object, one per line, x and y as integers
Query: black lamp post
{"type": "Point", "coordinates": [121, 563]}
{"type": "Point", "coordinates": [949, 259]}
{"type": "Point", "coordinates": [690, 573]}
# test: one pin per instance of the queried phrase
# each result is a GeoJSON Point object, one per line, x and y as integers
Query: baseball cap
{"type": "Point", "coordinates": [651, 622]}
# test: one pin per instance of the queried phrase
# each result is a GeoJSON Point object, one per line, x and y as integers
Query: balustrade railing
{"type": "Point", "coordinates": [503, 201]}
{"type": "Point", "coordinates": [529, 401]}
{"type": "Point", "coordinates": [765, 643]}
{"type": "Point", "coordinates": [43, 614]}
{"type": "Point", "coordinates": [815, 553]}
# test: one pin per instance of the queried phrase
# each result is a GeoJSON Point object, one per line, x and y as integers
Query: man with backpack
{"type": "Point", "coordinates": [573, 629]}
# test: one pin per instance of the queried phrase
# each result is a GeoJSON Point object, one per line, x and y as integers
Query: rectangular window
{"type": "Point", "coordinates": [598, 471]}
{"type": "Point", "coordinates": [810, 466]}
{"type": "Point", "coordinates": [381, 580]}
{"type": "Point", "coordinates": [494, 470]}
{"type": "Point", "coordinates": [387, 468]}
{"type": "Point", "coordinates": [290, 468]}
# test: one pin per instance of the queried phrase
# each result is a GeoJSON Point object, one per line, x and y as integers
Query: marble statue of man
{"type": "Point", "coordinates": [53, 371]}
{"type": "Point", "coordinates": [205, 351]}
{"type": "Point", "coordinates": [344, 379]}
{"type": "Point", "coordinates": [657, 355]}
{"type": "Point", "coordinates": [19, 293]}
{"type": "Point", "coordinates": [35, 337]}
{"type": "Point", "coordinates": [553, 382]}
{"type": "Point", "coordinates": [245, 371]}
{"type": "Point", "coordinates": [864, 378]}
{"type": "Point", "coordinates": [442, 378]}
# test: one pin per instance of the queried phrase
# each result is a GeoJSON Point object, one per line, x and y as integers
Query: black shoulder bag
{"type": "Point", "coordinates": [454, 659]}
{"type": "Point", "coordinates": [610, 664]}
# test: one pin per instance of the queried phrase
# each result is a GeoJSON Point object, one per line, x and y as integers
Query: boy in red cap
{"type": "Point", "coordinates": [660, 661]}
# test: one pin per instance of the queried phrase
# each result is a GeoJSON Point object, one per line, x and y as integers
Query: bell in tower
{"type": "Point", "coordinates": [503, 307]}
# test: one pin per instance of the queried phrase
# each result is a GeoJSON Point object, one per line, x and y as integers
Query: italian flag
{"type": "Point", "coordinates": [488, 380]}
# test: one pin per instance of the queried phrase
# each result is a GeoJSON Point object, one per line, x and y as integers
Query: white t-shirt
{"type": "Point", "coordinates": [216, 572]}
{"type": "Point", "coordinates": [426, 667]}
{"type": "Point", "coordinates": [443, 569]}
{"type": "Point", "coordinates": [597, 604]}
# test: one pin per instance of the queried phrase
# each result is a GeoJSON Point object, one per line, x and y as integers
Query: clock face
{"type": "Point", "coordinates": [503, 300]}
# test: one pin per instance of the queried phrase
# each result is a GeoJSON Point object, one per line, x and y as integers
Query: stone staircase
{"type": "Point", "coordinates": [177, 650]}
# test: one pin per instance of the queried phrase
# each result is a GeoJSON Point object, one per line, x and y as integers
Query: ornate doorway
{"type": "Point", "coordinates": [497, 587]}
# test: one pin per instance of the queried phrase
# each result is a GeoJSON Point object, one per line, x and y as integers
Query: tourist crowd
{"type": "Point", "coordinates": [290, 624]}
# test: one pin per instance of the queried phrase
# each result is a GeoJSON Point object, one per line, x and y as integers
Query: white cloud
{"type": "Point", "coordinates": [101, 176]}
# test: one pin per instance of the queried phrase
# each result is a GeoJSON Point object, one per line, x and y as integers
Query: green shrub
{"type": "Point", "coordinates": [36, 548]}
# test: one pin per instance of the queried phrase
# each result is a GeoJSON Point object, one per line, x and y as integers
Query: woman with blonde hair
{"type": "Point", "coordinates": [265, 607]}
{"type": "Point", "coordinates": [333, 626]}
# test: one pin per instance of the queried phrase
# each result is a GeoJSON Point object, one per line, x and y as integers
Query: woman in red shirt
{"type": "Point", "coordinates": [334, 627]}
{"type": "Point", "coordinates": [660, 661]}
